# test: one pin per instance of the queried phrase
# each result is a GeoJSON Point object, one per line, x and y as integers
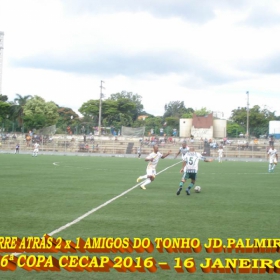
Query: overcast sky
{"type": "Point", "coordinates": [207, 53]}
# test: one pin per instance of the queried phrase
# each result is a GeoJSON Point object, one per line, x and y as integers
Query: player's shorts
{"type": "Point", "coordinates": [151, 172]}
{"type": "Point", "coordinates": [189, 175]}
{"type": "Point", "coordinates": [272, 160]}
{"type": "Point", "coordinates": [36, 151]}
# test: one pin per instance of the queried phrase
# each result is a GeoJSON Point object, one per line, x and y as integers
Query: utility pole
{"type": "Point", "coordinates": [100, 108]}
{"type": "Point", "coordinates": [247, 92]}
{"type": "Point", "coordinates": [1, 57]}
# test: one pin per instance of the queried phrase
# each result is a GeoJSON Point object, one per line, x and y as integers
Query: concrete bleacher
{"type": "Point", "coordinates": [122, 145]}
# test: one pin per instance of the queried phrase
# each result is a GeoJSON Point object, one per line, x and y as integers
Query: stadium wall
{"type": "Point", "coordinates": [219, 129]}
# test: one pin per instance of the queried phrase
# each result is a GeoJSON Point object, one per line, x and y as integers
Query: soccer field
{"type": "Point", "coordinates": [41, 195]}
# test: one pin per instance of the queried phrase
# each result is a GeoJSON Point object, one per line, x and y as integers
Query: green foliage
{"type": "Point", "coordinates": [90, 108]}
{"type": "Point", "coordinates": [175, 109]}
{"type": "Point", "coordinates": [129, 97]}
{"type": "Point", "coordinates": [187, 116]}
{"type": "Point", "coordinates": [3, 98]}
{"type": "Point", "coordinates": [234, 129]}
{"type": "Point", "coordinates": [36, 121]}
{"type": "Point", "coordinates": [66, 117]}
{"type": "Point", "coordinates": [258, 119]}
{"type": "Point", "coordinates": [153, 123]}
{"type": "Point", "coordinates": [202, 112]}
{"type": "Point", "coordinates": [120, 109]}
{"type": "Point", "coordinates": [18, 107]}
{"type": "Point", "coordinates": [39, 113]}
{"type": "Point", "coordinates": [172, 121]}
{"type": "Point", "coordinates": [4, 110]}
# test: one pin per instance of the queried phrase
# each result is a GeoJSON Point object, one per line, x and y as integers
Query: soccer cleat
{"type": "Point", "coordinates": [179, 190]}
{"type": "Point", "coordinates": [138, 180]}
{"type": "Point", "coordinates": [188, 191]}
{"type": "Point", "coordinates": [142, 187]}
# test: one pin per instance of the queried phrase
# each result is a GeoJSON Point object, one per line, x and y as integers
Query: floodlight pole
{"type": "Point", "coordinates": [247, 92]}
{"type": "Point", "coordinates": [100, 108]}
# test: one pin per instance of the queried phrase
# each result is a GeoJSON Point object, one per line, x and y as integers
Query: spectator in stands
{"type": "Point", "coordinates": [225, 140]}
{"type": "Point", "coordinates": [28, 139]}
{"type": "Point", "coordinates": [271, 140]}
{"type": "Point", "coordinates": [91, 137]}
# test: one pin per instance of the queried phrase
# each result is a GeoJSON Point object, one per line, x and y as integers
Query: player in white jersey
{"type": "Point", "coordinates": [273, 158]}
{"type": "Point", "coordinates": [36, 149]}
{"type": "Point", "coordinates": [220, 153]}
{"type": "Point", "coordinates": [183, 150]}
{"type": "Point", "coordinates": [190, 168]}
{"type": "Point", "coordinates": [139, 152]}
{"type": "Point", "coordinates": [153, 159]}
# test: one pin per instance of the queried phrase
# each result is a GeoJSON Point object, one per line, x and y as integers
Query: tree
{"type": "Point", "coordinates": [154, 123]}
{"type": "Point", "coordinates": [3, 98]}
{"type": "Point", "coordinates": [38, 113]}
{"type": "Point", "coordinates": [4, 110]}
{"type": "Point", "coordinates": [116, 111]}
{"type": "Point", "coordinates": [18, 107]}
{"type": "Point", "coordinates": [90, 108]}
{"type": "Point", "coordinates": [66, 117]}
{"type": "Point", "coordinates": [202, 112]}
{"type": "Point", "coordinates": [258, 119]}
{"type": "Point", "coordinates": [234, 129]}
{"type": "Point", "coordinates": [129, 97]}
{"type": "Point", "coordinates": [188, 114]}
{"type": "Point", "coordinates": [175, 109]}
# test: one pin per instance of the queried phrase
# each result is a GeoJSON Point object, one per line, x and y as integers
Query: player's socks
{"type": "Point", "coordinates": [179, 190]}
{"type": "Point", "coordinates": [146, 182]}
{"type": "Point", "coordinates": [188, 190]}
{"type": "Point", "coordinates": [141, 178]}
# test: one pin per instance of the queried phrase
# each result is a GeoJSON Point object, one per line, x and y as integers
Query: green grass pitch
{"type": "Point", "coordinates": [41, 194]}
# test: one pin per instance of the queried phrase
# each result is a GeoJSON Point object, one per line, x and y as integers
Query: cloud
{"type": "Point", "coordinates": [262, 16]}
{"type": "Point", "coordinates": [186, 9]}
{"type": "Point", "coordinates": [269, 64]}
{"type": "Point", "coordinates": [200, 72]}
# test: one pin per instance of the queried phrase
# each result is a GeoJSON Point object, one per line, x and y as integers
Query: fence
{"type": "Point", "coordinates": [121, 145]}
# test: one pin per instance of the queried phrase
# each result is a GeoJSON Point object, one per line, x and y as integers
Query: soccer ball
{"type": "Point", "coordinates": [197, 189]}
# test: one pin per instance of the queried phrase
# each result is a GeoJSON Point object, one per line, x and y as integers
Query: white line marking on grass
{"type": "Point", "coordinates": [102, 205]}
{"type": "Point", "coordinates": [213, 173]}
{"type": "Point", "coordinates": [97, 208]}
